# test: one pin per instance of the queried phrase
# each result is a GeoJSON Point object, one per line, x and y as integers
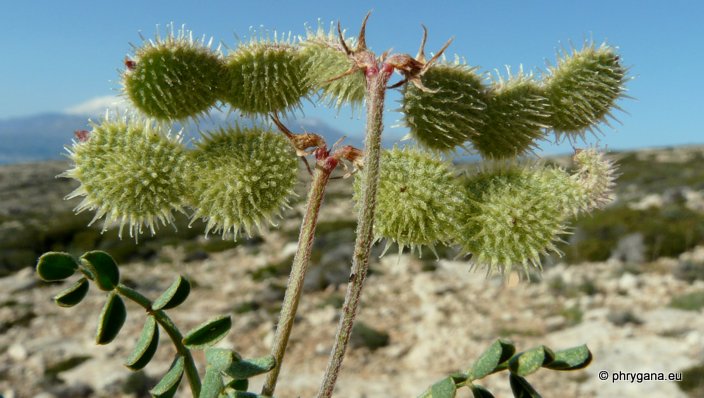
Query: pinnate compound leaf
{"type": "Point", "coordinates": [480, 392]}
{"type": "Point", "coordinates": [571, 359]}
{"type": "Point", "coordinates": [246, 368]}
{"type": "Point", "coordinates": [103, 268]}
{"type": "Point", "coordinates": [521, 388]}
{"type": "Point", "coordinates": [529, 361]}
{"type": "Point", "coordinates": [167, 386]}
{"type": "Point", "coordinates": [56, 266]}
{"type": "Point", "coordinates": [444, 388]}
{"type": "Point", "coordinates": [146, 346]}
{"type": "Point", "coordinates": [112, 317]}
{"type": "Point", "coordinates": [72, 295]}
{"type": "Point", "coordinates": [208, 333]}
{"type": "Point", "coordinates": [500, 351]}
{"type": "Point", "coordinates": [174, 296]}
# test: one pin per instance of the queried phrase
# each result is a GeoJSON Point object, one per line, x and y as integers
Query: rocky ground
{"type": "Point", "coordinates": [425, 318]}
{"type": "Point", "coordinates": [437, 322]}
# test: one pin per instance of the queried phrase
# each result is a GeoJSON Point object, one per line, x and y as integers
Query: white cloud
{"type": "Point", "coordinates": [97, 106]}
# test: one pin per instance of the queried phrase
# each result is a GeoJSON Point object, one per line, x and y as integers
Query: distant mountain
{"type": "Point", "coordinates": [43, 136]}
{"type": "Point", "coordinates": [37, 137]}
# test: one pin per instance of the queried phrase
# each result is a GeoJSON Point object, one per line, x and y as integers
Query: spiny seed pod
{"type": "Point", "coordinates": [175, 77]}
{"type": "Point", "coordinates": [583, 88]}
{"type": "Point", "coordinates": [326, 59]}
{"type": "Point", "coordinates": [240, 178]}
{"type": "Point", "coordinates": [511, 217]}
{"type": "Point", "coordinates": [516, 113]}
{"type": "Point", "coordinates": [595, 175]}
{"type": "Point", "coordinates": [449, 114]}
{"type": "Point", "coordinates": [566, 191]}
{"type": "Point", "coordinates": [266, 76]}
{"type": "Point", "coordinates": [417, 201]}
{"type": "Point", "coordinates": [130, 172]}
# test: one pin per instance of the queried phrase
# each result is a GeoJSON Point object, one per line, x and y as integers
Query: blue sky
{"type": "Point", "coordinates": [58, 55]}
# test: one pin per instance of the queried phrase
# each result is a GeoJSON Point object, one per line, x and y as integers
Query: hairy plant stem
{"type": "Point", "coordinates": [376, 91]}
{"type": "Point", "coordinates": [294, 288]}
{"type": "Point", "coordinates": [168, 325]}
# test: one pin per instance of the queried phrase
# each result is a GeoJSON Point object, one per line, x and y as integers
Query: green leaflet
{"type": "Point", "coordinates": [146, 345]}
{"type": "Point", "coordinates": [73, 294]}
{"type": "Point", "coordinates": [103, 269]}
{"type": "Point", "coordinates": [499, 352]}
{"type": "Point", "coordinates": [208, 333]}
{"type": "Point", "coordinates": [55, 266]}
{"type": "Point", "coordinates": [111, 319]}
{"type": "Point", "coordinates": [167, 386]}
{"type": "Point", "coordinates": [174, 295]}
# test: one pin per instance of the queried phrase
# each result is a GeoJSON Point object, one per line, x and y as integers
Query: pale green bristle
{"type": "Point", "coordinates": [512, 216]}
{"type": "Point", "coordinates": [418, 199]}
{"type": "Point", "coordinates": [445, 119]}
{"type": "Point", "coordinates": [583, 89]}
{"type": "Point", "coordinates": [266, 77]}
{"type": "Point", "coordinates": [131, 173]}
{"type": "Point", "coordinates": [174, 78]}
{"type": "Point", "coordinates": [324, 60]}
{"type": "Point", "coordinates": [241, 178]}
{"type": "Point", "coordinates": [517, 112]}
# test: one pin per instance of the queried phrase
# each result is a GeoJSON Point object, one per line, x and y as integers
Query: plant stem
{"type": "Point", "coordinates": [168, 325]}
{"type": "Point", "coordinates": [376, 91]}
{"type": "Point", "coordinates": [298, 273]}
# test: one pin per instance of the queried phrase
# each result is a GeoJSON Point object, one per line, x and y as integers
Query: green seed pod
{"type": "Point", "coordinates": [174, 78]}
{"type": "Point", "coordinates": [444, 119]}
{"type": "Point", "coordinates": [130, 172]}
{"type": "Point", "coordinates": [565, 189]}
{"type": "Point", "coordinates": [326, 59]}
{"type": "Point", "coordinates": [517, 111]}
{"type": "Point", "coordinates": [240, 178]}
{"type": "Point", "coordinates": [417, 201]}
{"type": "Point", "coordinates": [266, 76]}
{"type": "Point", "coordinates": [511, 216]}
{"type": "Point", "coordinates": [583, 88]}
{"type": "Point", "coordinates": [595, 176]}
